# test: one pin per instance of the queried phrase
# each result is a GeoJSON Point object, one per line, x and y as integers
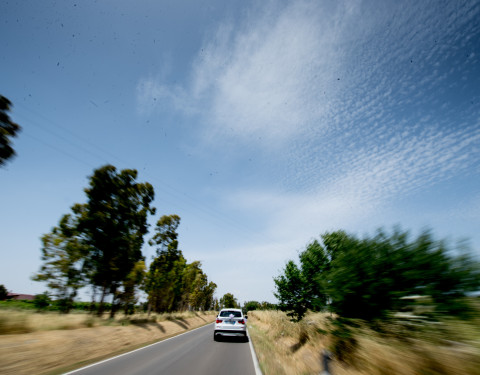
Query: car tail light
{"type": "Point", "coordinates": [241, 321]}
{"type": "Point", "coordinates": [218, 321]}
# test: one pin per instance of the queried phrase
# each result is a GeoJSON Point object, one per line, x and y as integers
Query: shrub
{"type": "Point", "coordinates": [42, 301]}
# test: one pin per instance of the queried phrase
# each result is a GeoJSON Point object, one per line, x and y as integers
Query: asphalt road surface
{"type": "Point", "coordinates": [193, 353]}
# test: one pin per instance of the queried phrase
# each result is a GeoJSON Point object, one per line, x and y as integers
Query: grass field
{"type": "Point", "coordinates": [444, 347]}
{"type": "Point", "coordinates": [17, 321]}
{"type": "Point", "coordinates": [53, 343]}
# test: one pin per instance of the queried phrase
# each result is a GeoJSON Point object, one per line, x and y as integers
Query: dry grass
{"type": "Point", "coordinates": [15, 321]}
{"type": "Point", "coordinates": [447, 348]}
{"type": "Point", "coordinates": [70, 344]}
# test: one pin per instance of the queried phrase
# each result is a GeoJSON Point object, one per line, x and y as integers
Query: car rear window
{"type": "Point", "coordinates": [226, 313]}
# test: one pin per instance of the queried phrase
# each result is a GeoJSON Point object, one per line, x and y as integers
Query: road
{"type": "Point", "coordinates": [194, 352]}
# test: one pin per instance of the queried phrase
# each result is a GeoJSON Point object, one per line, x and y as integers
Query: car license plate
{"type": "Point", "coordinates": [231, 322]}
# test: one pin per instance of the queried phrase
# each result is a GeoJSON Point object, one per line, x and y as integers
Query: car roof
{"type": "Point", "coordinates": [231, 310]}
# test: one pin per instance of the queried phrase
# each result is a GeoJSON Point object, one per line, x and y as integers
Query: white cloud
{"type": "Point", "coordinates": [355, 97]}
{"type": "Point", "coordinates": [358, 189]}
{"type": "Point", "coordinates": [264, 78]}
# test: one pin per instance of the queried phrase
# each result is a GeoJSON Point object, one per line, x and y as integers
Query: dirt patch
{"type": "Point", "coordinates": [50, 352]}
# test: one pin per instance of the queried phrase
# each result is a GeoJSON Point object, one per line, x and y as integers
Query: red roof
{"type": "Point", "coordinates": [19, 296]}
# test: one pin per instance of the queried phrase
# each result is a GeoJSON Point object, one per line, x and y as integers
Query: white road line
{"type": "Point", "coordinates": [256, 365]}
{"type": "Point", "coordinates": [133, 351]}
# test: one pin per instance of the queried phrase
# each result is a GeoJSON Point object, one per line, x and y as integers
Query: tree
{"type": "Point", "coordinates": [208, 292]}
{"type": "Point", "coordinates": [172, 284]}
{"type": "Point", "coordinates": [368, 278]}
{"type": "Point", "coordinates": [198, 291]}
{"type": "Point", "coordinates": [164, 280]}
{"type": "Point", "coordinates": [314, 261]}
{"type": "Point", "coordinates": [292, 292]}
{"type": "Point", "coordinates": [64, 253]}
{"type": "Point", "coordinates": [3, 292]}
{"type": "Point", "coordinates": [8, 129]}
{"type": "Point", "coordinates": [228, 301]}
{"type": "Point", "coordinates": [131, 284]}
{"type": "Point", "coordinates": [114, 226]}
{"type": "Point", "coordinates": [166, 236]}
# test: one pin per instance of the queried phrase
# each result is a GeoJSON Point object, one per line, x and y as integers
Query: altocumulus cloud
{"type": "Point", "coordinates": [365, 100]}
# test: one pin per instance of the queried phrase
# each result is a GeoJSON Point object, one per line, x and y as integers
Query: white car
{"type": "Point", "coordinates": [230, 322]}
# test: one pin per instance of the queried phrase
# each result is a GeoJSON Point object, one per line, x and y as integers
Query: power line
{"type": "Point", "coordinates": [181, 199]}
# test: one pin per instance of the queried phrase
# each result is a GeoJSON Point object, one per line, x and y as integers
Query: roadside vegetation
{"type": "Point", "coordinates": [98, 246]}
{"type": "Point", "coordinates": [386, 304]}
{"type": "Point", "coordinates": [17, 317]}
{"type": "Point", "coordinates": [53, 343]}
{"type": "Point", "coordinates": [447, 346]}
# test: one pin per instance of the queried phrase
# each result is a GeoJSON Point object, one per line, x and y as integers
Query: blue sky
{"type": "Point", "coordinates": [261, 124]}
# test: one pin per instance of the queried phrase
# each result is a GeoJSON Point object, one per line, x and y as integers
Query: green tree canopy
{"type": "Point", "coordinates": [172, 284]}
{"type": "Point", "coordinates": [164, 280]}
{"type": "Point", "coordinates": [3, 292]}
{"type": "Point", "coordinates": [367, 278]}
{"type": "Point", "coordinates": [99, 244]}
{"type": "Point", "coordinates": [228, 301]}
{"type": "Point", "coordinates": [166, 236]}
{"type": "Point", "coordinates": [292, 292]}
{"type": "Point", "coordinates": [114, 225]}
{"type": "Point", "coordinates": [64, 253]}
{"type": "Point", "coordinates": [8, 130]}
{"type": "Point", "coordinates": [134, 280]}
{"type": "Point", "coordinates": [251, 306]}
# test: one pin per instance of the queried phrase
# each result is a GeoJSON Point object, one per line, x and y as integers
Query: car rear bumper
{"type": "Point", "coordinates": [230, 332]}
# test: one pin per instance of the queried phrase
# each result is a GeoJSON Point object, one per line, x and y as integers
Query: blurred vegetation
{"type": "Point", "coordinates": [3, 292]}
{"type": "Point", "coordinates": [40, 304]}
{"type": "Point", "coordinates": [373, 278]}
{"type": "Point", "coordinates": [228, 301]}
{"type": "Point", "coordinates": [411, 295]}
{"type": "Point", "coordinates": [8, 130]}
{"type": "Point", "coordinates": [255, 305]}
{"type": "Point", "coordinates": [22, 317]}
{"type": "Point", "coordinates": [446, 346]}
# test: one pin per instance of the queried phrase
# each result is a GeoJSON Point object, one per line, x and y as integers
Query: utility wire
{"type": "Point", "coordinates": [181, 199]}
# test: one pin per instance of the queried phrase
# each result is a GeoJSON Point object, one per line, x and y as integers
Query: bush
{"type": "Point", "coordinates": [343, 342]}
{"type": "Point", "coordinates": [42, 301]}
{"type": "Point", "coordinates": [251, 306]}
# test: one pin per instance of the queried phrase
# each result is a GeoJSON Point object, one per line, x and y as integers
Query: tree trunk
{"type": "Point", "coordinates": [114, 298]}
{"type": "Point", "coordinates": [92, 304]}
{"type": "Point", "coordinates": [102, 299]}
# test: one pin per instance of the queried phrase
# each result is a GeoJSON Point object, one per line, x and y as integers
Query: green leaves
{"type": "Point", "coordinates": [114, 223]}
{"type": "Point", "coordinates": [292, 292]}
{"type": "Point", "coordinates": [228, 301]}
{"type": "Point", "coordinates": [368, 278]}
{"type": "Point", "coordinates": [64, 253]}
{"type": "Point", "coordinates": [166, 233]}
{"type": "Point", "coordinates": [3, 292]}
{"type": "Point", "coordinates": [99, 244]}
{"type": "Point", "coordinates": [8, 130]}
{"type": "Point", "coordinates": [172, 284]}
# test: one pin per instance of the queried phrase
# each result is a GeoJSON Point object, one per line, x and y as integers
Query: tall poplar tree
{"type": "Point", "coordinates": [164, 279]}
{"type": "Point", "coordinates": [114, 225]}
